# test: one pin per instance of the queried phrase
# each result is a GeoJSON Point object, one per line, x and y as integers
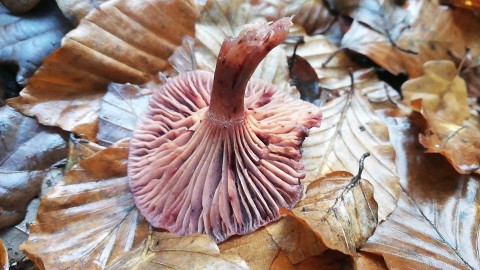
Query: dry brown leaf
{"type": "Point", "coordinates": [224, 18]}
{"type": "Point", "coordinates": [120, 109]}
{"type": "Point", "coordinates": [349, 129]}
{"type": "Point", "coordinates": [168, 251]}
{"type": "Point", "coordinates": [365, 260]}
{"type": "Point", "coordinates": [341, 210]}
{"type": "Point", "coordinates": [330, 260]}
{"type": "Point", "coordinates": [289, 236]}
{"type": "Point", "coordinates": [121, 41]}
{"type": "Point", "coordinates": [27, 151]}
{"type": "Point", "coordinates": [436, 225]}
{"type": "Point", "coordinates": [312, 15]}
{"type": "Point", "coordinates": [3, 257]}
{"type": "Point", "coordinates": [79, 149]}
{"type": "Point", "coordinates": [89, 219]}
{"type": "Point", "coordinates": [431, 35]}
{"type": "Point", "coordinates": [441, 95]}
{"type": "Point", "coordinates": [75, 10]}
{"type": "Point", "coordinates": [27, 39]}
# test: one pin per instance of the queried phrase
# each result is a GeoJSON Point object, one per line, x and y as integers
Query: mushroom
{"type": "Point", "coordinates": [219, 153]}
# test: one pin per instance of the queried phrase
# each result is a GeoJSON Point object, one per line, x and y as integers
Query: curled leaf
{"type": "Point", "coordinates": [121, 41]}
{"type": "Point", "coordinates": [341, 209]}
{"type": "Point", "coordinates": [75, 10]}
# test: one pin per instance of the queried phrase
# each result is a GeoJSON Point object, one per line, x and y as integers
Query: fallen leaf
{"type": "Point", "coordinates": [121, 41]}
{"type": "Point", "coordinates": [3, 257]}
{"type": "Point", "coordinates": [349, 129]}
{"type": "Point", "coordinates": [364, 260]}
{"type": "Point", "coordinates": [17, 7]}
{"type": "Point", "coordinates": [432, 35]}
{"type": "Point", "coordinates": [304, 77]}
{"type": "Point", "coordinates": [441, 96]}
{"type": "Point", "coordinates": [27, 39]}
{"type": "Point", "coordinates": [75, 10]}
{"type": "Point", "coordinates": [89, 219]}
{"type": "Point", "coordinates": [341, 210]}
{"type": "Point", "coordinates": [435, 224]}
{"type": "Point", "coordinates": [313, 15]}
{"type": "Point", "coordinates": [226, 18]}
{"type": "Point", "coordinates": [289, 236]}
{"type": "Point", "coordinates": [330, 260]}
{"type": "Point", "coordinates": [79, 149]}
{"type": "Point", "coordinates": [27, 151]}
{"type": "Point", "coordinates": [121, 106]}
{"type": "Point", "coordinates": [169, 251]}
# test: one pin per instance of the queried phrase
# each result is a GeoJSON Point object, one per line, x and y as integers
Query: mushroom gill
{"type": "Point", "coordinates": [217, 153]}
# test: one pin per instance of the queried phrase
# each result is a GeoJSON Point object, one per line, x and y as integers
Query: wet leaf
{"type": "Point", "coordinates": [349, 129]}
{"type": "Point", "coordinates": [304, 77]}
{"type": "Point", "coordinates": [432, 35]}
{"type": "Point", "coordinates": [441, 95]}
{"type": "Point", "coordinates": [121, 41]}
{"type": "Point", "coordinates": [168, 251]}
{"type": "Point", "coordinates": [89, 219]}
{"type": "Point", "coordinates": [120, 109]}
{"type": "Point", "coordinates": [27, 39]}
{"type": "Point", "coordinates": [226, 18]}
{"type": "Point", "coordinates": [341, 209]}
{"type": "Point", "coordinates": [27, 150]}
{"type": "Point", "coordinates": [75, 10]}
{"type": "Point", "coordinates": [435, 224]}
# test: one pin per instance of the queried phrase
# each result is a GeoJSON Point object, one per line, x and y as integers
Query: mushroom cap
{"type": "Point", "coordinates": [190, 173]}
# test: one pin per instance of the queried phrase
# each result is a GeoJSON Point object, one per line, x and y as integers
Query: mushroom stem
{"type": "Point", "coordinates": [236, 62]}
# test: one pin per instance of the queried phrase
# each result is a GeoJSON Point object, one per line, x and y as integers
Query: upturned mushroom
{"type": "Point", "coordinates": [219, 153]}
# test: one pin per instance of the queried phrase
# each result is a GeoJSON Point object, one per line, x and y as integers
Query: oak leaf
{"type": "Point", "coordinates": [121, 41]}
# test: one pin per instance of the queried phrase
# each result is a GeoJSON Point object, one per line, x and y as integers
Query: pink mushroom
{"type": "Point", "coordinates": [220, 153]}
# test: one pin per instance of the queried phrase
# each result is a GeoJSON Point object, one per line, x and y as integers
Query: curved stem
{"type": "Point", "coordinates": [236, 62]}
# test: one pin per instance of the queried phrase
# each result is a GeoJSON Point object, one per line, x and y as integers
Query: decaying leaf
{"type": "Point", "coordinates": [305, 79]}
{"type": "Point", "coordinates": [226, 18]}
{"type": "Point", "coordinates": [441, 96]}
{"type": "Point", "coordinates": [89, 219]}
{"type": "Point", "coordinates": [79, 149]}
{"type": "Point", "coordinates": [330, 260]}
{"type": "Point", "coordinates": [27, 150]}
{"type": "Point", "coordinates": [121, 41]}
{"type": "Point", "coordinates": [28, 38]}
{"type": "Point", "coordinates": [365, 260]}
{"type": "Point", "coordinates": [349, 129]}
{"type": "Point", "coordinates": [432, 35]}
{"type": "Point", "coordinates": [435, 224]}
{"type": "Point", "coordinates": [169, 251]}
{"type": "Point", "coordinates": [341, 209]}
{"type": "Point", "coordinates": [3, 257]}
{"type": "Point", "coordinates": [75, 10]}
{"type": "Point", "coordinates": [120, 109]}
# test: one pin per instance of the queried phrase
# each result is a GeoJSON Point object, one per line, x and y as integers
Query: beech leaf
{"type": "Point", "coordinates": [432, 34]}
{"type": "Point", "coordinates": [75, 10]}
{"type": "Point", "coordinates": [27, 150]}
{"type": "Point", "coordinates": [169, 251]}
{"type": "Point", "coordinates": [441, 95]}
{"type": "Point", "coordinates": [27, 39]}
{"type": "Point", "coordinates": [89, 219]}
{"type": "Point", "coordinates": [121, 41]}
{"type": "Point", "coordinates": [341, 209]}
{"type": "Point", "coordinates": [330, 260]}
{"type": "Point", "coordinates": [121, 106]}
{"type": "Point", "coordinates": [349, 129]}
{"type": "Point", "coordinates": [226, 18]}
